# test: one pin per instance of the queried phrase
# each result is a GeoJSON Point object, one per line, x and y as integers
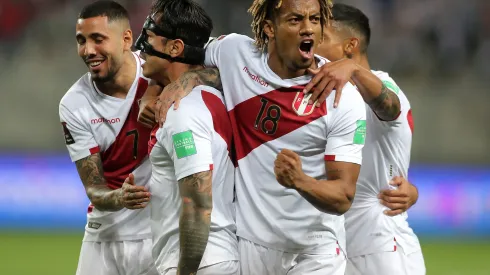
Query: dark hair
{"type": "Point", "coordinates": [186, 19]}
{"type": "Point", "coordinates": [262, 10]}
{"type": "Point", "coordinates": [111, 9]}
{"type": "Point", "coordinates": [354, 19]}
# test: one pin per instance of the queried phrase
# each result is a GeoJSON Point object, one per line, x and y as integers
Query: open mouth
{"type": "Point", "coordinates": [306, 48]}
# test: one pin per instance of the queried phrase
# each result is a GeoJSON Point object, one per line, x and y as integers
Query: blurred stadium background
{"type": "Point", "coordinates": [437, 50]}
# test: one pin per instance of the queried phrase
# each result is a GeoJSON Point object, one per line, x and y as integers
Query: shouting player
{"type": "Point", "coordinates": [376, 243]}
{"type": "Point", "coordinates": [99, 118]}
{"type": "Point", "coordinates": [297, 162]}
{"type": "Point", "coordinates": [192, 179]}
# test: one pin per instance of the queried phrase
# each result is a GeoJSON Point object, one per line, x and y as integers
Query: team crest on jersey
{"type": "Point", "coordinates": [301, 106]}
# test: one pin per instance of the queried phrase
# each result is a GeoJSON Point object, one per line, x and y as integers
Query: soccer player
{"type": "Point", "coordinates": [99, 119]}
{"type": "Point", "coordinates": [297, 162]}
{"type": "Point", "coordinates": [192, 183]}
{"type": "Point", "coordinates": [376, 243]}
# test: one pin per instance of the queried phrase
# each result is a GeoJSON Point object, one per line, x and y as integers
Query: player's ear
{"type": "Point", "coordinates": [351, 46]}
{"type": "Point", "coordinates": [176, 47]}
{"type": "Point", "coordinates": [128, 39]}
{"type": "Point", "coordinates": [269, 29]}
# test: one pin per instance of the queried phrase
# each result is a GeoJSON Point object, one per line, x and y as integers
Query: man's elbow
{"type": "Point", "coordinates": [344, 201]}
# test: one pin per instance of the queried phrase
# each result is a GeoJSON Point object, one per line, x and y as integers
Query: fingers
{"type": "Point", "coordinates": [146, 121]}
{"type": "Point", "coordinates": [137, 206]}
{"type": "Point", "coordinates": [289, 153]}
{"type": "Point", "coordinates": [393, 213]}
{"type": "Point", "coordinates": [158, 107]}
{"type": "Point", "coordinates": [313, 71]}
{"type": "Point", "coordinates": [131, 179]}
{"type": "Point", "coordinates": [338, 95]}
{"type": "Point", "coordinates": [314, 81]}
{"type": "Point", "coordinates": [397, 181]}
{"type": "Point", "coordinates": [326, 90]}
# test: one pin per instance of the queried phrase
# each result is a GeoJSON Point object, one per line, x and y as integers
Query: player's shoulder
{"type": "Point", "coordinates": [234, 43]}
{"type": "Point", "coordinates": [390, 83]}
{"type": "Point", "coordinates": [194, 108]}
{"type": "Point", "coordinates": [77, 95]}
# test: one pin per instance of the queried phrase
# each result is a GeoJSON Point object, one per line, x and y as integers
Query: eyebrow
{"type": "Point", "coordinates": [301, 15]}
{"type": "Point", "coordinates": [94, 35]}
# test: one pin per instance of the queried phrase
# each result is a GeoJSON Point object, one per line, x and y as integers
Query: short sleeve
{"type": "Point", "coordinates": [78, 137]}
{"type": "Point", "coordinates": [188, 139]}
{"type": "Point", "coordinates": [222, 48]}
{"type": "Point", "coordinates": [347, 131]}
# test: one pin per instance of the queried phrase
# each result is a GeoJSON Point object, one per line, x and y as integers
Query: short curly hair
{"type": "Point", "coordinates": [262, 10]}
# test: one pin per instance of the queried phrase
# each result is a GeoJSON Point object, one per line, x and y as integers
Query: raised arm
{"type": "Point", "coordinates": [381, 99]}
{"type": "Point", "coordinates": [195, 220]}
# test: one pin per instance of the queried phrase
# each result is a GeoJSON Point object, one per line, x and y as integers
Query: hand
{"type": "Point", "coordinates": [132, 196]}
{"type": "Point", "coordinates": [173, 93]}
{"type": "Point", "coordinates": [400, 199]}
{"type": "Point", "coordinates": [146, 115]}
{"type": "Point", "coordinates": [333, 75]}
{"type": "Point", "coordinates": [288, 168]}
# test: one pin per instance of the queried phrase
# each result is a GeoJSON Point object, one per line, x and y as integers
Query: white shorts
{"type": "Point", "coordinates": [256, 259]}
{"type": "Point", "coordinates": [116, 258]}
{"type": "Point", "coordinates": [387, 263]}
{"type": "Point", "coordinates": [223, 268]}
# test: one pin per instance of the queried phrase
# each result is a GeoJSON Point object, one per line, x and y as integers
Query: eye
{"type": "Point", "coordinates": [80, 41]}
{"type": "Point", "coordinates": [294, 20]}
{"type": "Point", "coordinates": [315, 19]}
{"type": "Point", "coordinates": [99, 40]}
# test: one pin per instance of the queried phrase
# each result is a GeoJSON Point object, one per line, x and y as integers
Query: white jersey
{"type": "Point", "coordinates": [195, 138]}
{"type": "Point", "coordinates": [386, 155]}
{"type": "Point", "coordinates": [94, 122]}
{"type": "Point", "coordinates": [269, 114]}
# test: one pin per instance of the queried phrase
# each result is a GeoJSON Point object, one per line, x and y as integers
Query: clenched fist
{"type": "Point", "coordinates": [288, 168]}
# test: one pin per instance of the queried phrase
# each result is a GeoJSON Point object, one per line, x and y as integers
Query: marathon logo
{"type": "Point", "coordinates": [256, 78]}
{"type": "Point", "coordinates": [104, 120]}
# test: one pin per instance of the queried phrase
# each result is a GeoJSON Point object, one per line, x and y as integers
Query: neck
{"type": "Point", "coordinates": [175, 70]}
{"type": "Point", "coordinates": [123, 80]}
{"type": "Point", "coordinates": [363, 61]}
{"type": "Point", "coordinates": [281, 68]}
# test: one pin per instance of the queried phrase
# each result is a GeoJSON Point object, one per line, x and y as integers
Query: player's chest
{"type": "Point", "coordinates": [279, 117]}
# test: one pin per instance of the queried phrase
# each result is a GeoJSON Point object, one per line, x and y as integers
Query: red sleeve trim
{"type": "Point", "coordinates": [329, 157]}
{"type": "Point", "coordinates": [94, 150]}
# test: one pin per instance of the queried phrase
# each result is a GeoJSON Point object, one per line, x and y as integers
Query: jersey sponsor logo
{"type": "Point", "coordinates": [184, 144]}
{"type": "Point", "coordinates": [360, 133]}
{"type": "Point", "coordinates": [105, 120]}
{"type": "Point", "coordinates": [392, 86]}
{"type": "Point", "coordinates": [68, 137]}
{"type": "Point", "coordinates": [301, 106]}
{"type": "Point", "coordinates": [256, 78]}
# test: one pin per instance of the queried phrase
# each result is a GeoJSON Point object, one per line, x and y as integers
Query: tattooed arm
{"type": "Point", "coordinates": [195, 220]}
{"type": "Point", "coordinates": [92, 175]}
{"type": "Point", "coordinates": [180, 88]}
{"type": "Point", "coordinates": [383, 101]}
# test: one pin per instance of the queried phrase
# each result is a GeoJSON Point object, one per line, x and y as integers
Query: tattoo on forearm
{"type": "Point", "coordinates": [209, 77]}
{"type": "Point", "coordinates": [195, 220]}
{"type": "Point", "coordinates": [386, 105]}
{"type": "Point", "coordinates": [92, 176]}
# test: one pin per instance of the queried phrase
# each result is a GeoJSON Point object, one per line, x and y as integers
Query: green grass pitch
{"type": "Point", "coordinates": [57, 254]}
